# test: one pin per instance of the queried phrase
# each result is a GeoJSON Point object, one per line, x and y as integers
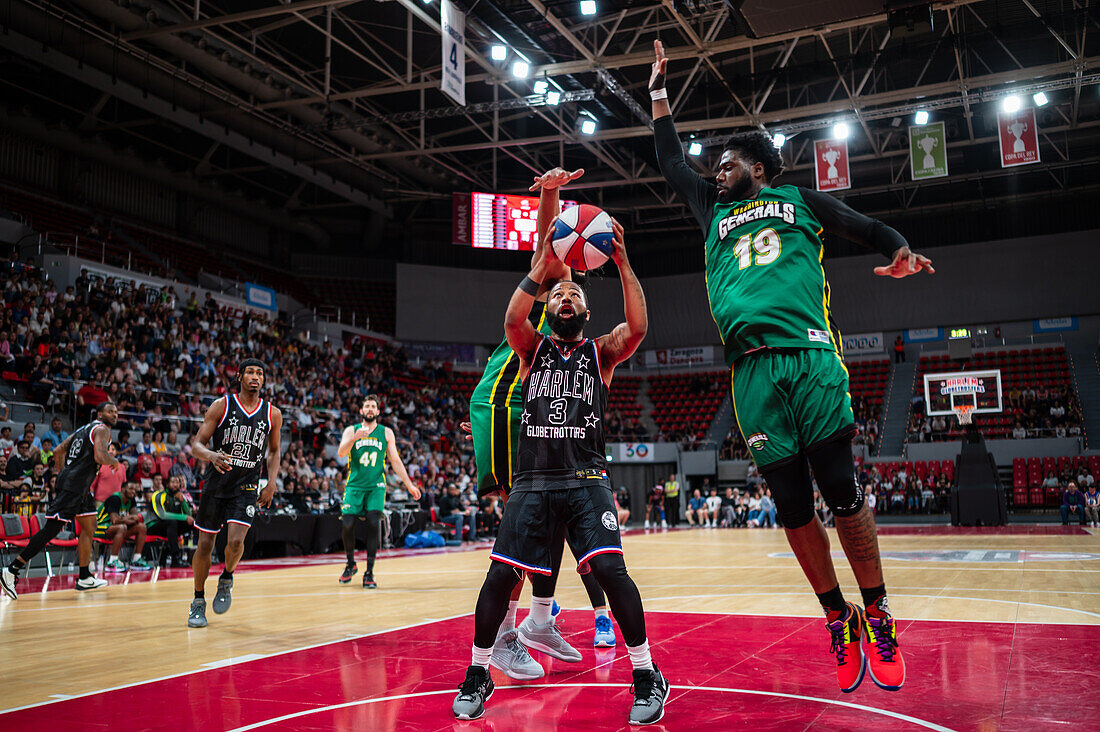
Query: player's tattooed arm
{"type": "Point", "coordinates": [620, 344]}
{"type": "Point", "coordinates": [274, 456]}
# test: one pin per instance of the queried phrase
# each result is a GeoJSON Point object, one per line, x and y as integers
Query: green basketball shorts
{"type": "Point", "coordinates": [357, 501]}
{"type": "Point", "coordinates": [496, 439]}
{"type": "Point", "coordinates": [789, 400]}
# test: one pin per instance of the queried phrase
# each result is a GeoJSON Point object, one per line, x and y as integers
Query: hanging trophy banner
{"type": "Point", "coordinates": [831, 164]}
{"type": "Point", "coordinates": [453, 78]}
{"type": "Point", "coordinates": [928, 151]}
{"type": "Point", "coordinates": [1019, 138]}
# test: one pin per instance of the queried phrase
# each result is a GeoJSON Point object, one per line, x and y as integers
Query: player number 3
{"type": "Point", "coordinates": [765, 243]}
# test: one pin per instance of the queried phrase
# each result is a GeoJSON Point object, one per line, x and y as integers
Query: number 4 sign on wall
{"type": "Point", "coordinates": [453, 81]}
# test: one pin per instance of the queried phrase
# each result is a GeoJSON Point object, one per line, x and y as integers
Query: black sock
{"type": "Point", "coordinates": [85, 573]}
{"type": "Point", "coordinates": [833, 600]}
{"type": "Point", "coordinates": [15, 568]}
{"type": "Point", "coordinates": [872, 594]}
{"type": "Point", "coordinates": [370, 565]}
{"type": "Point", "coordinates": [200, 594]}
{"type": "Point", "coordinates": [226, 574]}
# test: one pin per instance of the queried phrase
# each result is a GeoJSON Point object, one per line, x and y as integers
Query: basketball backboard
{"type": "Point", "coordinates": [943, 391]}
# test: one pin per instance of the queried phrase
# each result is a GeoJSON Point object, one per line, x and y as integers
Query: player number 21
{"type": "Point", "coordinates": [368, 459]}
{"type": "Point", "coordinates": [764, 243]}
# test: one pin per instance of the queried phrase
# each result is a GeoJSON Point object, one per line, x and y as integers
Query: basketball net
{"type": "Point", "coordinates": [965, 412]}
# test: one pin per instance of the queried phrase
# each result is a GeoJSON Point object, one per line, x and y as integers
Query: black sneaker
{"type": "Point", "coordinates": [650, 691]}
{"type": "Point", "coordinates": [474, 692]}
{"type": "Point", "coordinates": [368, 581]}
{"type": "Point", "coordinates": [349, 572]}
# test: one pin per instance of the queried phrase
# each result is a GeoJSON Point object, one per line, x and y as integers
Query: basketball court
{"type": "Point", "coordinates": [994, 624]}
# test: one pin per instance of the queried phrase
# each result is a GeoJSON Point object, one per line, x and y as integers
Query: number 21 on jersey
{"type": "Point", "coordinates": [764, 244]}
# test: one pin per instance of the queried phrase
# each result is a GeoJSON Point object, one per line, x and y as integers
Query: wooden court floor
{"type": "Point", "coordinates": [60, 644]}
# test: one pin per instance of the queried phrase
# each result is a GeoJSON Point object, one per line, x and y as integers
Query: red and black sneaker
{"type": "Point", "coordinates": [846, 630]}
{"type": "Point", "coordinates": [886, 664]}
{"type": "Point", "coordinates": [349, 572]}
{"type": "Point", "coordinates": [368, 581]}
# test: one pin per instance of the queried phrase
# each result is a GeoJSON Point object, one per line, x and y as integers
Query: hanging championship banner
{"type": "Point", "coordinates": [1019, 138]}
{"type": "Point", "coordinates": [453, 81]}
{"type": "Point", "coordinates": [928, 151]}
{"type": "Point", "coordinates": [831, 165]}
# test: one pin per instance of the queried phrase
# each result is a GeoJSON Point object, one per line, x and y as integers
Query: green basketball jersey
{"type": "Point", "coordinates": [499, 384]}
{"type": "Point", "coordinates": [103, 513]}
{"type": "Point", "coordinates": [367, 461]}
{"type": "Point", "coordinates": [765, 281]}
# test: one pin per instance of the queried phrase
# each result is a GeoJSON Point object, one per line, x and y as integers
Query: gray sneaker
{"type": "Point", "coordinates": [650, 692]}
{"type": "Point", "coordinates": [547, 638]}
{"type": "Point", "coordinates": [512, 658]}
{"type": "Point", "coordinates": [197, 617]}
{"type": "Point", "coordinates": [7, 582]}
{"type": "Point", "coordinates": [472, 695]}
{"type": "Point", "coordinates": [224, 598]}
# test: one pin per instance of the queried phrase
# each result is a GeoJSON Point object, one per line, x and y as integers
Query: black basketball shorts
{"type": "Point", "coordinates": [215, 510]}
{"type": "Point", "coordinates": [70, 504]}
{"type": "Point", "coordinates": [532, 518]}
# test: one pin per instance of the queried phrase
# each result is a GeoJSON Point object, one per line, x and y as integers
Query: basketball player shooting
{"type": "Point", "coordinates": [560, 477]}
{"type": "Point", "coordinates": [239, 429]}
{"type": "Point", "coordinates": [770, 300]}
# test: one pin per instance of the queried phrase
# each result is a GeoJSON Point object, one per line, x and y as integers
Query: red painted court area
{"type": "Point", "coordinates": [728, 672]}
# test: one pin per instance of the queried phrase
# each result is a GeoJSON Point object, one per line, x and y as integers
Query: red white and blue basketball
{"type": "Point", "coordinates": [583, 237]}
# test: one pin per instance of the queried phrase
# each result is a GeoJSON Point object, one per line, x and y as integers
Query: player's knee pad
{"type": "Point", "coordinates": [348, 522]}
{"type": "Point", "coordinates": [792, 492]}
{"type": "Point", "coordinates": [609, 570]}
{"type": "Point", "coordinates": [835, 472]}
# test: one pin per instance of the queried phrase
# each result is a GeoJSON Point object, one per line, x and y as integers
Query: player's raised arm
{"type": "Point", "coordinates": [522, 336]}
{"type": "Point", "coordinates": [398, 465]}
{"type": "Point", "coordinates": [620, 344]}
{"type": "Point", "coordinates": [274, 457]}
{"type": "Point", "coordinates": [214, 415]}
{"type": "Point", "coordinates": [548, 185]}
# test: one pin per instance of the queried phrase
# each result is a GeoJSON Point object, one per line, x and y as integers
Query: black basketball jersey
{"type": "Point", "coordinates": [80, 465]}
{"type": "Point", "coordinates": [243, 436]}
{"type": "Point", "coordinates": [561, 440]}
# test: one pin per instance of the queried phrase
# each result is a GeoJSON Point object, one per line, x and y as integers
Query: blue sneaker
{"type": "Point", "coordinates": [605, 633]}
{"type": "Point", "coordinates": [555, 609]}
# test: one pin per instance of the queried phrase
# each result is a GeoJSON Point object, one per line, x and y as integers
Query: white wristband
{"type": "Point", "coordinates": [658, 94]}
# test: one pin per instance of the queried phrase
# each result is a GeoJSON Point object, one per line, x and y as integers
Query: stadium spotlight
{"type": "Point", "coordinates": [588, 7]}
{"type": "Point", "coordinates": [498, 53]}
{"type": "Point", "coordinates": [588, 126]}
{"type": "Point", "coordinates": [1040, 99]}
{"type": "Point", "coordinates": [541, 86]}
{"type": "Point", "coordinates": [921, 117]}
{"type": "Point", "coordinates": [1011, 103]}
{"type": "Point", "coordinates": [779, 140]}
{"type": "Point", "coordinates": [840, 131]}
{"type": "Point", "coordinates": [695, 149]}
{"type": "Point", "coordinates": [553, 97]}
{"type": "Point", "coordinates": [520, 69]}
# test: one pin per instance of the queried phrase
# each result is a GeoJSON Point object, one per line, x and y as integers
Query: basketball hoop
{"type": "Point", "coordinates": [965, 413]}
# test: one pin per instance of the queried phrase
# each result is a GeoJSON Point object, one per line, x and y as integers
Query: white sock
{"type": "Point", "coordinates": [639, 656]}
{"type": "Point", "coordinates": [540, 610]}
{"type": "Point", "coordinates": [112, 559]}
{"type": "Point", "coordinates": [601, 611]}
{"type": "Point", "coordinates": [510, 617]}
{"type": "Point", "coordinates": [480, 657]}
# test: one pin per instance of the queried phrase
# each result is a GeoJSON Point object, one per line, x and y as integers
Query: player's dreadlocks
{"type": "Point", "coordinates": [757, 147]}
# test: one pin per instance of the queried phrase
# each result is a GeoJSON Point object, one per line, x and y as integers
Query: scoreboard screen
{"type": "Point", "coordinates": [496, 220]}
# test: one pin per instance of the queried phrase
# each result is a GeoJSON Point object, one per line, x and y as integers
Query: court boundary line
{"type": "Point", "coordinates": [260, 657]}
{"type": "Point", "coordinates": [688, 689]}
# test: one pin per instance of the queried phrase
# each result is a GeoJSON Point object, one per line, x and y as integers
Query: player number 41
{"type": "Point", "coordinates": [368, 459]}
{"type": "Point", "coordinates": [765, 244]}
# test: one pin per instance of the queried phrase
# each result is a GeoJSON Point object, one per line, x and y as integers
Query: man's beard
{"type": "Point", "coordinates": [737, 192]}
{"type": "Point", "coordinates": [567, 328]}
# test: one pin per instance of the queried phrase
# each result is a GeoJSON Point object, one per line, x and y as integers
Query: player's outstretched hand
{"type": "Point", "coordinates": [618, 254]}
{"type": "Point", "coordinates": [221, 462]}
{"type": "Point", "coordinates": [414, 492]}
{"type": "Point", "coordinates": [555, 178]}
{"type": "Point", "coordinates": [905, 263]}
{"type": "Point", "coordinates": [657, 72]}
{"type": "Point", "coordinates": [468, 429]}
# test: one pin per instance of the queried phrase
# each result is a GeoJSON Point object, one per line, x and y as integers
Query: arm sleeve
{"type": "Point", "coordinates": [841, 219]}
{"type": "Point", "coordinates": [693, 188]}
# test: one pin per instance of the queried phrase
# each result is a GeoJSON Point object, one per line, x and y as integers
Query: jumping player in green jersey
{"type": "Point", "coordinates": [367, 445]}
{"type": "Point", "coordinates": [770, 301]}
{"type": "Point", "coordinates": [495, 410]}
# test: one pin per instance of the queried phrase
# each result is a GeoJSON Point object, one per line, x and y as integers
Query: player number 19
{"type": "Point", "coordinates": [764, 243]}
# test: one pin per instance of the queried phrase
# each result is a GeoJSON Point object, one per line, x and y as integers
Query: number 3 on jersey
{"type": "Point", "coordinates": [368, 459]}
{"type": "Point", "coordinates": [765, 244]}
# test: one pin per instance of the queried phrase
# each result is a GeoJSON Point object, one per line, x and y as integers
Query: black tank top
{"type": "Point", "coordinates": [80, 465]}
{"type": "Point", "coordinates": [561, 440]}
{"type": "Point", "coordinates": [243, 436]}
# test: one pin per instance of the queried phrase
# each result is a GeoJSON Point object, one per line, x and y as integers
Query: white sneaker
{"type": "Point", "coordinates": [7, 583]}
{"type": "Point", "coordinates": [90, 583]}
{"type": "Point", "coordinates": [664, 524]}
{"type": "Point", "coordinates": [647, 524]}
